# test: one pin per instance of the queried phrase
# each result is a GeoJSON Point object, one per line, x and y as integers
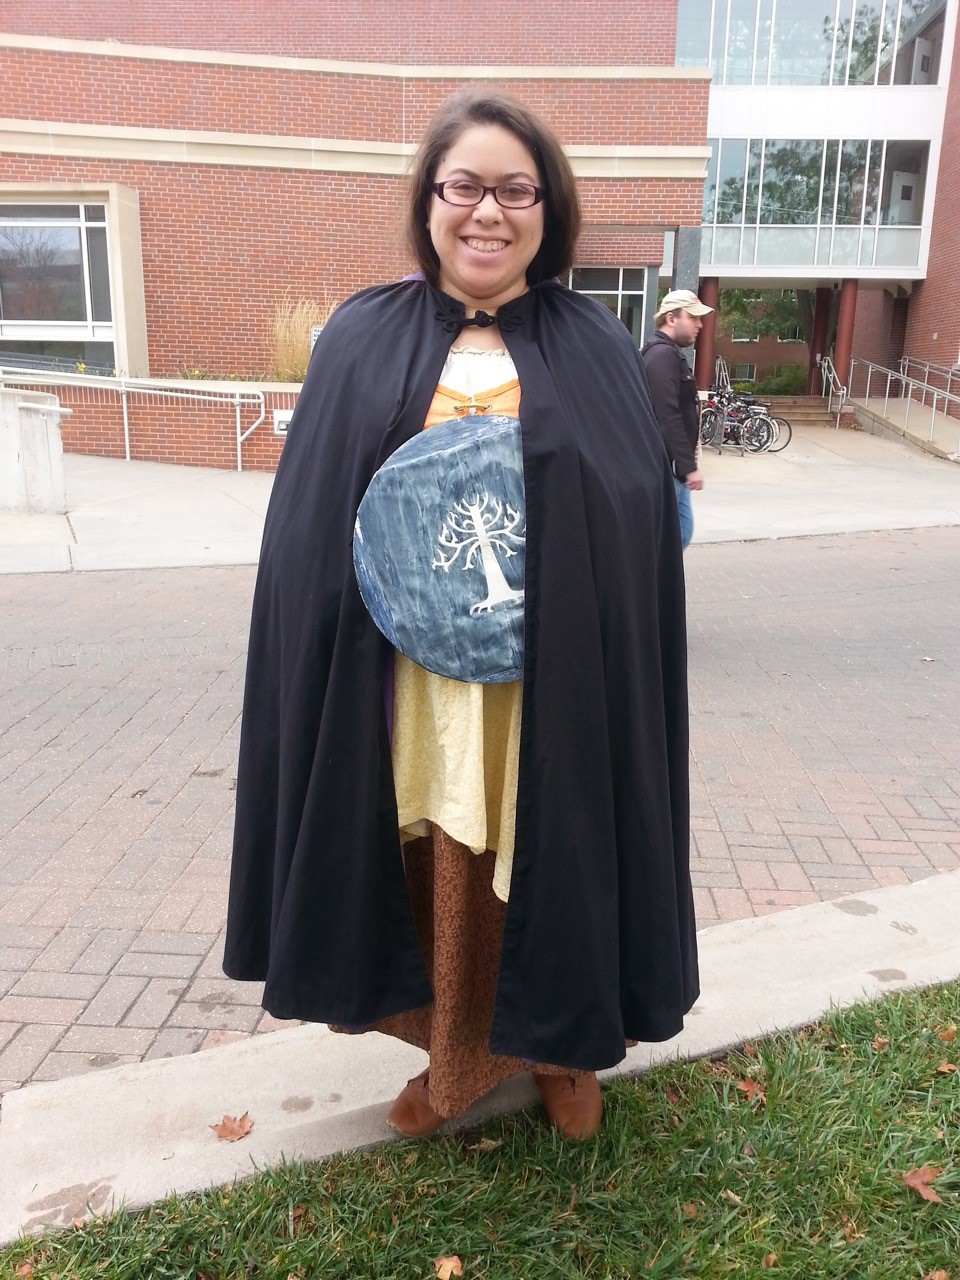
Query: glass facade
{"type": "Point", "coordinates": [55, 284]}
{"type": "Point", "coordinates": [622, 289]}
{"type": "Point", "coordinates": [813, 42]}
{"type": "Point", "coordinates": [813, 202]}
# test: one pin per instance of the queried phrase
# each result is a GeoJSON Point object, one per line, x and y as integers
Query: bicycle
{"type": "Point", "coordinates": [730, 417]}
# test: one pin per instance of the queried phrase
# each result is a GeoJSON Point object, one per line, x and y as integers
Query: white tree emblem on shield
{"type": "Point", "coordinates": [485, 525]}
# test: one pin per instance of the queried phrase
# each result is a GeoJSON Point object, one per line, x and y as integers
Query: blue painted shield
{"type": "Point", "coordinates": [438, 549]}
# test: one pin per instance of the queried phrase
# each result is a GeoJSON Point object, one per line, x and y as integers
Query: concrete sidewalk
{"type": "Point", "coordinates": [907, 418]}
{"type": "Point", "coordinates": [311, 1093]}
{"type": "Point", "coordinates": [141, 515]}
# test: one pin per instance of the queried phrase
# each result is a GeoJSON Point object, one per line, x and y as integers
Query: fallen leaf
{"type": "Point", "coordinates": [770, 1260]}
{"type": "Point", "coordinates": [689, 1210]}
{"type": "Point", "coordinates": [673, 1098]}
{"type": "Point", "coordinates": [748, 1150]}
{"type": "Point", "coordinates": [230, 1129]}
{"type": "Point", "coordinates": [752, 1090]}
{"type": "Point", "coordinates": [945, 1068]}
{"type": "Point", "coordinates": [936, 1275]}
{"type": "Point", "coordinates": [947, 1035]}
{"type": "Point", "coordinates": [447, 1267]}
{"type": "Point", "coordinates": [850, 1228]}
{"type": "Point", "coordinates": [879, 1042]}
{"type": "Point", "coordinates": [749, 1050]}
{"type": "Point", "coordinates": [486, 1144]}
{"type": "Point", "coordinates": [25, 1270]}
{"type": "Point", "coordinates": [731, 1196]}
{"type": "Point", "coordinates": [919, 1180]}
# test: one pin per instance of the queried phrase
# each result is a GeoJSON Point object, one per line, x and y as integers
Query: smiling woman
{"type": "Point", "coordinates": [484, 249]}
{"type": "Point", "coordinates": [489, 867]}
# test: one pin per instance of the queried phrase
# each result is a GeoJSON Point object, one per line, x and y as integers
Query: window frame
{"type": "Point", "coordinates": [127, 328]}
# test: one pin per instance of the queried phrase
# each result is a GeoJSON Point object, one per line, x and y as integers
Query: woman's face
{"type": "Point", "coordinates": [484, 249]}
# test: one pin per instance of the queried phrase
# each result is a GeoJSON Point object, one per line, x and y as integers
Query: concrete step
{"type": "Point", "coordinates": [800, 410]}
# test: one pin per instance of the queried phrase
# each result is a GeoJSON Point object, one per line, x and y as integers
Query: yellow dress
{"type": "Point", "coordinates": [456, 746]}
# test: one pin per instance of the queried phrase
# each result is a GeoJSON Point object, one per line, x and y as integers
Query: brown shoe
{"type": "Point", "coordinates": [573, 1104]}
{"type": "Point", "coordinates": [411, 1113]}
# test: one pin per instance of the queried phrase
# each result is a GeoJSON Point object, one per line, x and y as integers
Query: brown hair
{"type": "Point", "coordinates": [561, 204]}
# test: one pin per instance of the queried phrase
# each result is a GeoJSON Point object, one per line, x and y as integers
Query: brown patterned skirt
{"type": "Point", "coordinates": [459, 921]}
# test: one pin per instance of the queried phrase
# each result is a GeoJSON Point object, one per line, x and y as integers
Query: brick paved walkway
{"type": "Point", "coordinates": [826, 759]}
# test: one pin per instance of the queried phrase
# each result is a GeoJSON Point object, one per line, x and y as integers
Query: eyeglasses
{"type": "Point", "coordinates": [510, 195]}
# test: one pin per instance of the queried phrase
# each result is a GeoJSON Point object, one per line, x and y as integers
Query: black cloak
{"type": "Point", "coordinates": [599, 938]}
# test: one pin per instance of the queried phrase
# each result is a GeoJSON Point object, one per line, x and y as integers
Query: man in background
{"type": "Point", "coordinates": [674, 394]}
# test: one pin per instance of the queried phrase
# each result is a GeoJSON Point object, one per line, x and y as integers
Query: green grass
{"type": "Point", "coordinates": [689, 1178]}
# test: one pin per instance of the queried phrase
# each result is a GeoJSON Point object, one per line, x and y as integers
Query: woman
{"type": "Point", "coordinates": [554, 922]}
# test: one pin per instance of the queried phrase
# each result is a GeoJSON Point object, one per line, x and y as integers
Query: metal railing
{"type": "Point", "coordinates": [926, 370]}
{"type": "Point", "coordinates": [127, 387]}
{"type": "Point", "coordinates": [907, 386]}
{"type": "Point", "coordinates": [831, 386]}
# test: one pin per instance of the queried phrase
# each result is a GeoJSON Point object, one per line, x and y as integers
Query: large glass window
{"type": "Point", "coordinates": [813, 41]}
{"type": "Point", "coordinates": [901, 193]}
{"type": "Point", "coordinates": [916, 55]}
{"type": "Point", "coordinates": [791, 182]}
{"type": "Point", "coordinates": [731, 170]}
{"type": "Point", "coordinates": [693, 34]}
{"type": "Point", "coordinates": [622, 289]}
{"type": "Point", "coordinates": [710, 184]}
{"type": "Point", "coordinates": [813, 202]}
{"type": "Point", "coordinates": [54, 283]}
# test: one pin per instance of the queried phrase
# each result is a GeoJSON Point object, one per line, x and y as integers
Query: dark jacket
{"type": "Point", "coordinates": [599, 939]}
{"type": "Point", "coordinates": [673, 390]}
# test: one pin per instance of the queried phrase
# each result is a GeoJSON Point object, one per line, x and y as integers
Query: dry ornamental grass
{"type": "Point", "coordinates": [293, 320]}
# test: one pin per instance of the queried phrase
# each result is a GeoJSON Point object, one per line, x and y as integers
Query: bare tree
{"type": "Point", "coordinates": [40, 277]}
{"type": "Point", "coordinates": [483, 525]}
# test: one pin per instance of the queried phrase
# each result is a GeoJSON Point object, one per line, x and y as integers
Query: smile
{"type": "Point", "coordinates": [486, 246]}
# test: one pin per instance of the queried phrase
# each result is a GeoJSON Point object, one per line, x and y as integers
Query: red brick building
{"type": "Point", "coordinates": [170, 172]}
{"type": "Point", "coordinates": [188, 166]}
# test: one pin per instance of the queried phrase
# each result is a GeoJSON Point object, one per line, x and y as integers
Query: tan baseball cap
{"type": "Point", "coordinates": [682, 300]}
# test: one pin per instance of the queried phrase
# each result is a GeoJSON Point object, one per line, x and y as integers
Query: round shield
{"type": "Point", "coordinates": [438, 549]}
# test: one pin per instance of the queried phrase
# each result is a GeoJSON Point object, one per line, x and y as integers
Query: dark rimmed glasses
{"type": "Point", "coordinates": [509, 195]}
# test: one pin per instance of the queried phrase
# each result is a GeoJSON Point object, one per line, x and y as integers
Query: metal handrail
{"type": "Point", "coordinates": [721, 374]}
{"type": "Point", "coordinates": [145, 386]}
{"type": "Point", "coordinates": [949, 372]}
{"type": "Point", "coordinates": [831, 386]}
{"type": "Point", "coordinates": [908, 385]}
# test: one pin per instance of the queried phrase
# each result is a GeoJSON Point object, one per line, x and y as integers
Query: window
{"type": "Point", "coordinates": [818, 42]}
{"type": "Point", "coordinates": [622, 289]}
{"type": "Point", "coordinates": [55, 300]}
{"type": "Point", "coordinates": [743, 373]}
{"type": "Point", "coordinates": [807, 202]}
{"type": "Point", "coordinates": [916, 58]}
{"type": "Point", "coordinates": [71, 277]}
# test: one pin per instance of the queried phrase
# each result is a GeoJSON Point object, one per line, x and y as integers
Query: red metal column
{"type": "Point", "coordinates": [844, 344]}
{"type": "Point", "coordinates": [707, 341]}
{"type": "Point", "coordinates": [818, 339]}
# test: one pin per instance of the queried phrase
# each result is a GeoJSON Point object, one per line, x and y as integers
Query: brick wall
{"type": "Point", "coordinates": [872, 337]}
{"type": "Point", "coordinates": [766, 353]}
{"type": "Point", "coordinates": [578, 32]}
{"type": "Point", "coordinates": [78, 88]}
{"type": "Point", "coordinates": [222, 244]}
{"type": "Point", "coordinates": [933, 323]}
{"type": "Point", "coordinates": [180, 427]}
